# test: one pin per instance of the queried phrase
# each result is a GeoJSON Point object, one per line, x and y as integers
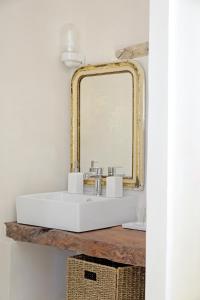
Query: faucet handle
{"type": "Point", "coordinates": [99, 171]}
{"type": "Point", "coordinates": [95, 172]}
{"type": "Point", "coordinates": [112, 171]}
{"type": "Point", "coordinates": [92, 165]}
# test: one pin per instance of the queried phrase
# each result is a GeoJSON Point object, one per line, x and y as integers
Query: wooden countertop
{"type": "Point", "coordinates": [116, 244]}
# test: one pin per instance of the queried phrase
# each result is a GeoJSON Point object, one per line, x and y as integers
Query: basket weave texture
{"type": "Point", "coordinates": [90, 278]}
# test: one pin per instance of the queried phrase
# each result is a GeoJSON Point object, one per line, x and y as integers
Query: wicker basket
{"type": "Point", "coordinates": [90, 278]}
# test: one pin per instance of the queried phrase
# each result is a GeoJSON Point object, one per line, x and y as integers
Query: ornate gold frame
{"type": "Point", "coordinates": [137, 180]}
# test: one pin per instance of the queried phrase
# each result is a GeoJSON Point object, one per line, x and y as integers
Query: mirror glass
{"type": "Point", "coordinates": [107, 120]}
{"type": "Point", "coordinates": [106, 112]}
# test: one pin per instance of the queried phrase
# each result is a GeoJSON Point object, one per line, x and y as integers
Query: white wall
{"type": "Point", "coordinates": [157, 152]}
{"type": "Point", "coordinates": [34, 116]}
{"type": "Point", "coordinates": [173, 191]}
{"type": "Point", "coordinates": [184, 149]}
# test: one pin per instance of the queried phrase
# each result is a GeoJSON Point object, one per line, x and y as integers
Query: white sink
{"type": "Point", "coordinates": [74, 212]}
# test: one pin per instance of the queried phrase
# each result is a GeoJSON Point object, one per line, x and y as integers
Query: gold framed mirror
{"type": "Point", "coordinates": [107, 120]}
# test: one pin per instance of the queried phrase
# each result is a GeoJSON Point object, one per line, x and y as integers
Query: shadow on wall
{"type": "Point", "coordinates": [26, 268]}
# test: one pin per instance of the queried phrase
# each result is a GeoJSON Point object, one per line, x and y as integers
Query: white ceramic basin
{"type": "Point", "coordinates": [73, 212]}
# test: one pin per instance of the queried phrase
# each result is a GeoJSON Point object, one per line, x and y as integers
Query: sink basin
{"type": "Point", "coordinates": [74, 212]}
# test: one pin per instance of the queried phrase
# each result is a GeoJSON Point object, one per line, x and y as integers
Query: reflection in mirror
{"type": "Point", "coordinates": [106, 121]}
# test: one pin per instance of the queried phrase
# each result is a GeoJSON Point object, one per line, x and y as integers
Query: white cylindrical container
{"type": "Point", "coordinates": [75, 183]}
{"type": "Point", "coordinates": [114, 187]}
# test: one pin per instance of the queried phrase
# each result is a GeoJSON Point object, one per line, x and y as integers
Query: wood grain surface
{"type": "Point", "coordinates": [116, 244]}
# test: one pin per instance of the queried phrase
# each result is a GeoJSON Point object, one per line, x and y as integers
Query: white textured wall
{"type": "Point", "coordinates": [34, 116]}
{"type": "Point", "coordinates": [184, 149]}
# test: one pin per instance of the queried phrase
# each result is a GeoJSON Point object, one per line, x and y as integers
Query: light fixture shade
{"type": "Point", "coordinates": [70, 38]}
{"type": "Point", "coordinates": [71, 55]}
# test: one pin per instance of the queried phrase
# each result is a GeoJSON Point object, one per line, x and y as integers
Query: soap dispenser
{"type": "Point", "coordinates": [114, 184]}
{"type": "Point", "coordinates": [75, 181]}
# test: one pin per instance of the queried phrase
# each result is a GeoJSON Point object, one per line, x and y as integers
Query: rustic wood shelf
{"type": "Point", "coordinates": [117, 244]}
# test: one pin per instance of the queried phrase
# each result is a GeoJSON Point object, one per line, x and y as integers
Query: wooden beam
{"type": "Point", "coordinates": [134, 51]}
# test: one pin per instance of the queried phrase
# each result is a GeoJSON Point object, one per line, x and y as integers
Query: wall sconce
{"type": "Point", "coordinates": [71, 56]}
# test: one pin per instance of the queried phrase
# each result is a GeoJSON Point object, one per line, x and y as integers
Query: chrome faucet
{"type": "Point", "coordinates": [95, 173]}
{"type": "Point", "coordinates": [98, 181]}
